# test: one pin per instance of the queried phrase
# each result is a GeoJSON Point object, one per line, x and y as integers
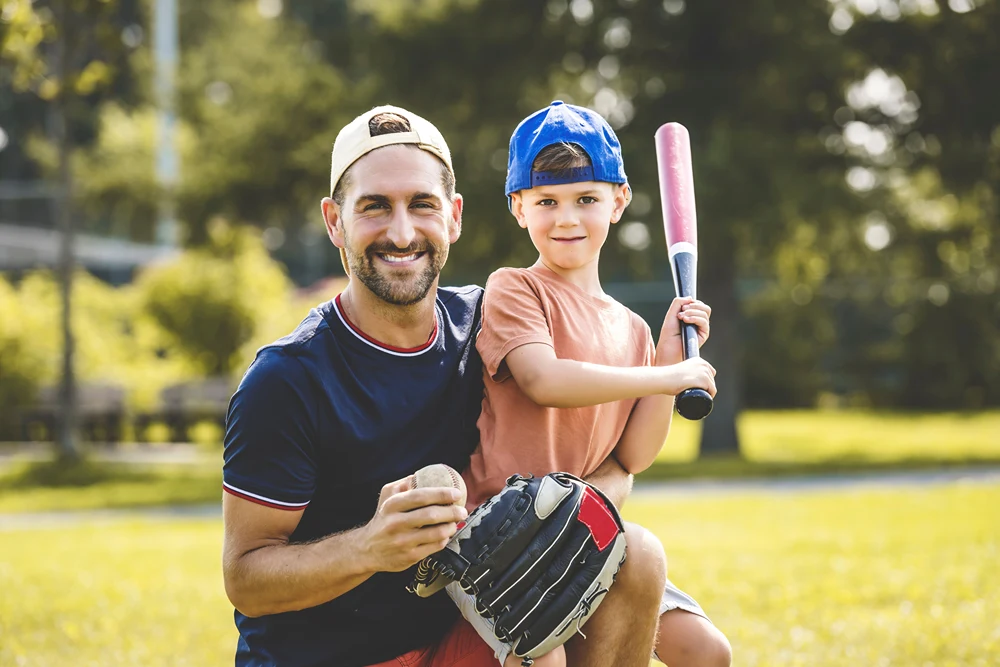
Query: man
{"type": "Point", "coordinates": [329, 422]}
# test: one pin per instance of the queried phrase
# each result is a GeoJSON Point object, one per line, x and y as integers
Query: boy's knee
{"type": "Point", "coordinates": [644, 572]}
{"type": "Point", "coordinates": [718, 651]}
{"type": "Point", "coordinates": [705, 648]}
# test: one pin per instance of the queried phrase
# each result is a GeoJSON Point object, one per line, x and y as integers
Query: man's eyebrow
{"type": "Point", "coordinates": [424, 195]}
{"type": "Point", "coordinates": [378, 199]}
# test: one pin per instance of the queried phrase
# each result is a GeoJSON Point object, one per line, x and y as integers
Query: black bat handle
{"type": "Point", "coordinates": [691, 403]}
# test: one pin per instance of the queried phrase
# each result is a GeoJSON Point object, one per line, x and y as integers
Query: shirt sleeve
{"type": "Point", "coordinates": [513, 315]}
{"type": "Point", "coordinates": [269, 445]}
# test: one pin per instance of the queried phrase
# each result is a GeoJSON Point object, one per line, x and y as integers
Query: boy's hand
{"type": "Point", "coordinates": [684, 309]}
{"type": "Point", "coordinates": [690, 374]}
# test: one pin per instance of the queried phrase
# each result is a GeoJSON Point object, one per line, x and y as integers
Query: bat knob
{"type": "Point", "coordinates": [694, 404]}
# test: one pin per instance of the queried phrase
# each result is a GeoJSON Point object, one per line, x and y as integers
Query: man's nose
{"type": "Point", "coordinates": [401, 231]}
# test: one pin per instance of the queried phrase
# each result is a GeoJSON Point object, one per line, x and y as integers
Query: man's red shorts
{"type": "Point", "coordinates": [461, 647]}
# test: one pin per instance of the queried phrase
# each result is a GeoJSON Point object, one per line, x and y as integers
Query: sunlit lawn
{"type": "Point", "coordinates": [905, 577]}
{"type": "Point", "coordinates": [812, 436]}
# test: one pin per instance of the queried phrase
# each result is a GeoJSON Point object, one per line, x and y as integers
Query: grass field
{"type": "Point", "coordinates": [905, 577]}
{"type": "Point", "coordinates": [774, 443]}
{"type": "Point", "coordinates": [823, 436]}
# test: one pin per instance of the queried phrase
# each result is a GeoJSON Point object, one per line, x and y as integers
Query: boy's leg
{"type": "Point", "coordinates": [623, 629]}
{"type": "Point", "coordinates": [686, 637]}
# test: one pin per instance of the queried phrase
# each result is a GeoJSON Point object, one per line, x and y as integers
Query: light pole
{"type": "Point", "coordinates": [167, 165]}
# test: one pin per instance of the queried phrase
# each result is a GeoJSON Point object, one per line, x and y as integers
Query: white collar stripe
{"type": "Point", "coordinates": [384, 348]}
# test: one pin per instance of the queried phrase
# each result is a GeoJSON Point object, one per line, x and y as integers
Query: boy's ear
{"type": "Point", "coordinates": [517, 209]}
{"type": "Point", "coordinates": [622, 197]}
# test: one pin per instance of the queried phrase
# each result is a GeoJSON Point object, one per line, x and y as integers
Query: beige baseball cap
{"type": "Point", "coordinates": [355, 141]}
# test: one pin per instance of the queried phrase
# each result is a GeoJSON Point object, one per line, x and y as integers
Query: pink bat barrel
{"type": "Point", "coordinates": [680, 225]}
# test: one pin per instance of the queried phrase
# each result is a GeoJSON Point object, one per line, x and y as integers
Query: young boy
{"type": "Point", "coordinates": [571, 374]}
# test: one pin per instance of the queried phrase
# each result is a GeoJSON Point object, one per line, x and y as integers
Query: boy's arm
{"type": "Point", "coordinates": [565, 383]}
{"type": "Point", "coordinates": [645, 433]}
{"type": "Point", "coordinates": [611, 478]}
{"type": "Point", "coordinates": [649, 423]}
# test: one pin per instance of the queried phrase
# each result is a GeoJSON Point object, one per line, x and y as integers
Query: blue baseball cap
{"type": "Point", "coordinates": [558, 123]}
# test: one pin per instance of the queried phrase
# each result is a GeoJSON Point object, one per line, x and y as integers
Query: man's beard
{"type": "Point", "coordinates": [406, 289]}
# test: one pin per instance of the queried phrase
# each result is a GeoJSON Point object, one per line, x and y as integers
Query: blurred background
{"type": "Point", "coordinates": [161, 167]}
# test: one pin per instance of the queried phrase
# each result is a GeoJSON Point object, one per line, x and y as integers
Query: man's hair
{"type": "Point", "coordinates": [391, 123]}
{"type": "Point", "coordinates": [560, 158]}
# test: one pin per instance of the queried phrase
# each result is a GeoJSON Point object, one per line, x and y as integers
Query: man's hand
{"type": "Point", "coordinates": [669, 350]}
{"type": "Point", "coordinates": [409, 525]}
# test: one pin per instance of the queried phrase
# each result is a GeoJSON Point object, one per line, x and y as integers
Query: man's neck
{"type": "Point", "coordinates": [404, 327]}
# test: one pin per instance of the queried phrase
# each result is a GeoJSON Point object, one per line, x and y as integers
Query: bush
{"type": "Point", "coordinates": [210, 301]}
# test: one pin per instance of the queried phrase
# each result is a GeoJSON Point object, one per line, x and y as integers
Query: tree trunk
{"type": "Point", "coordinates": [718, 435]}
{"type": "Point", "coordinates": [67, 438]}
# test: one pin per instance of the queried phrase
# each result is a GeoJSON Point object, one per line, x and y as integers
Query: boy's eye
{"type": "Point", "coordinates": [546, 202]}
{"type": "Point", "coordinates": [588, 200]}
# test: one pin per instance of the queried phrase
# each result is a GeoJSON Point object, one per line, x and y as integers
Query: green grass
{"type": "Point", "coordinates": [892, 577]}
{"type": "Point", "coordinates": [774, 443]}
{"type": "Point", "coordinates": [820, 579]}
{"type": "Point", "coordinates": [819, 436]}
{"type": "Point", "coordinates": [122, 593]}
{"type": "Point", "coordinates": [41, 487]}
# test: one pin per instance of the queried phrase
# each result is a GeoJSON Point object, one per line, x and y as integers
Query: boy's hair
{"type": "Point", "coordinates": [561, 158]}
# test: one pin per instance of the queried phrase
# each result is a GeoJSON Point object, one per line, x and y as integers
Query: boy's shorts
{"type": "Point", "coordinates": [461, 647]}
{"type": "Point", "coordinates": [673, 598]}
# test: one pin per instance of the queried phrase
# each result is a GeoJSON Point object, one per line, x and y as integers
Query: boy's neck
{"type": "Point", "coordinates": [585, 277]}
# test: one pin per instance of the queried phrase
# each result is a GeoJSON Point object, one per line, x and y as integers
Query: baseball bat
{"type": "Point", "coordinates": [680, 224]}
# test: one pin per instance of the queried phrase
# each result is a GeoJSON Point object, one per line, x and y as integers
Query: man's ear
{"type": "Point", "coordinates": [455, 223]}
{"type": "Point", "coordinates": [334, 223]}
{"type": "Point", "coordinates": [517, 209]}
{"type": "Point", "coordinates": [622, 197]}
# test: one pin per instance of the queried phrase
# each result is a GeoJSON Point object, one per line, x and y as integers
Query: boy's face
{"type": "Point", "coordinates": [569, 223]}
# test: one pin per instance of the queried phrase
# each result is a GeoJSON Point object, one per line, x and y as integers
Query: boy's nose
{"type": "Point", "coordinates": [566, 217]}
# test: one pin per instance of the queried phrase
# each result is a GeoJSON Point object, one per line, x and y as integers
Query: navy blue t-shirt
{"type": "Point", "coordinates": [323, 419]}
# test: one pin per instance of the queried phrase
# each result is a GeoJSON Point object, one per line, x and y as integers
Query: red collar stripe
{"type": "Point", "coordinates": [401, 351]}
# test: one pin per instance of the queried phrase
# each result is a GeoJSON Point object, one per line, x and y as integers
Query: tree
{"type": "Point", "coordinates": [60, 50]}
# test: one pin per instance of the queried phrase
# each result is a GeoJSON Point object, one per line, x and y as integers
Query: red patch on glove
{"type": "Point", "coordinates": [596, 516]}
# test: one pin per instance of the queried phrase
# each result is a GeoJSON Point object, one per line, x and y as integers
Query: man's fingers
{"type": "Point", "coordinates": [412, 499]}
{"type": "Point", "coordinates": [392, 488]}
{"type": "Point", "coordinates": [435, 514]}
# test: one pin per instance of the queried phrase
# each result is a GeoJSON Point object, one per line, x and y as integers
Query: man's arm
{"type": "Point", "coordinates": [265, 574]}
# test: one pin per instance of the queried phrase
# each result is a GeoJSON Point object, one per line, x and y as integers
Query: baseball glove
{"type": "Point", "coordinates": [538, 558]}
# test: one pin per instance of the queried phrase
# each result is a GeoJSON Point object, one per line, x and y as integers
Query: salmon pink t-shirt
{"type": "Point", "coordinates": [535, 305]}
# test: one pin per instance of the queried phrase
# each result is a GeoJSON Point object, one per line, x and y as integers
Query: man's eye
{"type": "Point", "coordinates": [421, 204]}
{"type": "Point", "coordinates": [373, 206]}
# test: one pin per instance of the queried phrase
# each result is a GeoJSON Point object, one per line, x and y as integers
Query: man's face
{"type": "Point", "coordinates": [396, 224]}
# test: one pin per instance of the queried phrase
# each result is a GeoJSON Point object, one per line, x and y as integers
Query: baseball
{"type": "Point", "coordinates": [438, 474]}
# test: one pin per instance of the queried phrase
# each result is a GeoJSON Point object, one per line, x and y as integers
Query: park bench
{"type": "Point", "coordinates": [186, 404]}
{"type": "Point", "coordinates": [100, 410]}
